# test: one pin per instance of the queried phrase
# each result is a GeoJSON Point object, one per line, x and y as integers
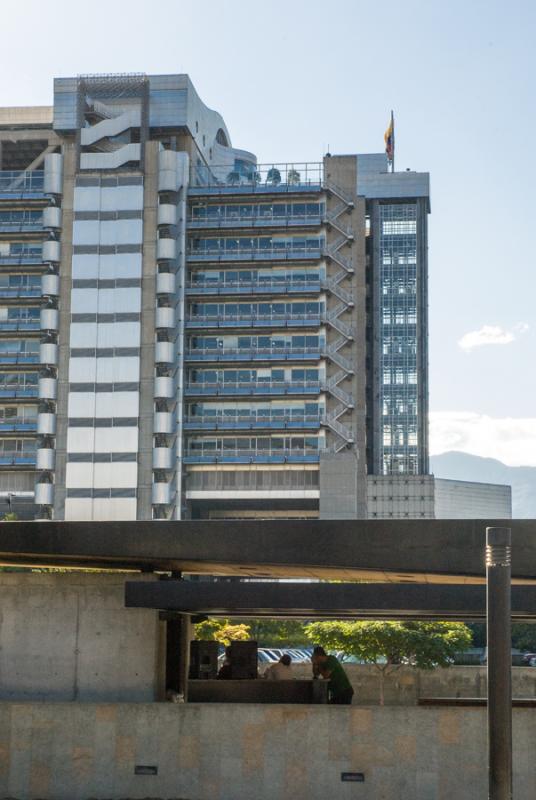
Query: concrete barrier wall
{"type": "Point", "coordinates": [67, 636]}
{"type": "Point", "coordinates": [405, 686]}
{"type": "Point", "coordinates": [75, 751]}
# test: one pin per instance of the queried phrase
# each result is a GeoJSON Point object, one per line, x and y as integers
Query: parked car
{"type": "Point", "coordinates": [528, 657]}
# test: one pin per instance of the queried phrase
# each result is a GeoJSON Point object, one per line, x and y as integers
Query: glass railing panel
{"type": "Point", "coordinates": [22, 181]}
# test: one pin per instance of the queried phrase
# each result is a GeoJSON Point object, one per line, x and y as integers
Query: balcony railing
{"type": "Point", "coordinates": [20, 358]}
{"type": "Point", "coordinates": [254, 354]}
{"type": "Point", "coordinates": [284, 286]}
{"type": "Point", "coordinates": [252, 456]}
{"type": "Point", "coordinates": [22, 257]}
{"type": "Point", "coordinates": [16, 424]}
{"type": "Point", "coordinates": [288, 253]}
{"type": "Point", "coordinates": [254, 320]}
{"type": "Point", "coordinates": [17, 459]}
{"type": "Point", "coordinates": [254, 388]}
{"type": "Point", "coordinates": [253, 421]}
{"type": "Point", "coordinates": [231, 220]}
{"type": "Point", "coordinates": [20, 325]}
{"type": "Point", "coordinates": [257, 178]}
{"type": "Point", "coordinates": [20, 291]}
{"type": "Point", "coordinates": [19, 391]}
{"type": "Point", "coordinates": [21, 182]}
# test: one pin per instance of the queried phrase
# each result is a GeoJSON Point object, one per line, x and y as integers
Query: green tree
{"type": "Point", "coordinates": [222, 631]}
{"type": "Point", "coordinates": [11, 516]}
{"type": "Point", "coordinates": [278, 632]}
{"type": "Point", "coordinates": [524, 636]}
{"type": "Point", "coordinates": [389, 645]}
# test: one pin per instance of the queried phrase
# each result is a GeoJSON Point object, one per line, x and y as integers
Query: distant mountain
{"type": "Point", "coordinates": [466, 467]}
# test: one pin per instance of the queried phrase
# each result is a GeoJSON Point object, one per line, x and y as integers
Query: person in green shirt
{"type": "Point", "coordinates": [339, 687]}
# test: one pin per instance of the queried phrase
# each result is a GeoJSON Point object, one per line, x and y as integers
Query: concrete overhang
{"type": "Point", "coordinates": [323, 600]}
{"type": "Point", "coordinates": [399, 551]}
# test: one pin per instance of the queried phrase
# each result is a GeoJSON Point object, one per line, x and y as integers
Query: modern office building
{"type": "Point", "coordinates": [188, 333]}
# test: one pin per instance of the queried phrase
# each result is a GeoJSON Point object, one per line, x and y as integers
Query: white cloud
{"type": "Point", "coordinates": [510, 440]}
{"type": "Point", "coordinates": [491, 334]}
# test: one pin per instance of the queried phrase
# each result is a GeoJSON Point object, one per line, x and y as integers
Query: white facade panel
{"type": "Point", "coordinates": [79, 508]}
{"type": "Point", "coordinates": [80, 440]}
{"type": "Point", "coordinates": [121, 231]}
{"type": "Point", "coordinates": [117, 404]}
{"type": "Point", "coordinates": [79, 476]}
{"type": "Point", "coordinates": [81, 404]}
{"type": "Point", "coordinates": [84, 301]}
{"type": "Point", "coordinates": [82, 370]}
{"type": "Point", "coordinates": [120, 300]}
{"type": "Point", "coordinates": [115, 508]}
{"type": "Point", "coordinates": [87, 198]}
{"type": "Point", "coordinates": [121, 198]}
{"type": "Point", "coordinates": [83, 334]}
{"type": "Point", "coordinates": [118, 334]}
{"type": "Point", "coordinates": [120, 265]}
{"type": "Point", "coordinates": [85, 267]}
{"type": "Point", "coordinates": [116, 440]}
{"type": "Point", "coordinates": [115, 475]}
{"type": "Point", "coordinates": [86, 231]}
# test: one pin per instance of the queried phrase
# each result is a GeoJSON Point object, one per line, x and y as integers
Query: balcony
{"type": "Point", "coordinates": [164, 353]}
{"type": "Point", "coordinates": [222, 422]}
{"type": "Point", "coordinates": [44, 494]}
{"type": "Point", "coordinates": [21, 184]}
{"type": "Point", "coordinates": [50, 285]}
{"type": "Point", "coordinates": [164, 388]}
{"type": "Point", "coordinates": [27, 225]}
{"type": "Point", "coordinates": [255, 354]}
{"type": "Point", "coordinates": [267, 388]}
{"type": "Point", "coordinates": [226, 287]}
{"type": "Point", "coordinates": [46, 424]}
{"type": "Point", "coordinates": [18, 425]}
{"type": "Point", "coordinates": [165, 317]}
{"type": "Point", "coordinates": [255, 321]}
{"type": "Point", "coordinates": [162, 494]}
{"type": "Point", "coordinates": [165, 283]}
{"type": "Point", "coordinates": [163, 458]}
{"type": "Point", "coordinates": [218, 254]}
{"type": "Point", "coordinates": [51, 250]}
{"type": "Point", "coordinates": [27, 255]}
{"type": "Point", "coordinates": [50, 319]}
{"type": "Point", "coordinates": [164, 422]}
{"type": "Point", "coordinates": [48, 388]}
{"type": "Point", "coordinates": [252, 457]}
{"type": "Point", "coordinates": [48, 354]}
{"type": "Point", "coordinates": [258, 179]}
{"type": "Point", "coordinates": [46, 458]}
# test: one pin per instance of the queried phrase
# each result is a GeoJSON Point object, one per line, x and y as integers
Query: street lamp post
{"type": "Point", "coordinates": [499, 662]}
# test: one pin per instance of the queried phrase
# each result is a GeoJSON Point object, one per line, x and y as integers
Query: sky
{"type": "Point", "coordinates": [293, 77]}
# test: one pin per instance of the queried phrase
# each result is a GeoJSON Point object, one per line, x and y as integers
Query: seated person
{"type": "Point", "coordinates": [225, 671]}
{"type": "Point", "coordinates": [281, 671]}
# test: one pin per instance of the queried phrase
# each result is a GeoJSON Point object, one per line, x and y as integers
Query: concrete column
{"type": "Point", "coordinates": [499, 666]}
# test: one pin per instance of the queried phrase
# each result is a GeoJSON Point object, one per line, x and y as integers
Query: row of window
{"type": "Point", "coordinates": [261, 276]}
{"type": "Point", "coordinates": [275, 309]}
{"type": "Point", "coordinates": [19, 313]}
{"type": "Point", "coordinates": [273, 341]}
{"type": "Point", "coordinates": [17, 446]}
{"type": "Point", "coordinates": [262, 411]}
{"type": "Point", "coordinates": [399, 376]}
{"type": "Point", "coordinates": [264, 444]}
{"type": "Point", "coordinates": [20, 380]}
{"type": "Point", "coordinates": [21, 413]}
{"type": "Point", "coordinates": [250, 211]}
{"type": "Point", "coordinates": [399, 316]}
{"type": "Point", "coordinates": [215, 244]}
{"type": "Point", "coordinates": [276, 375]}
{"type": "Point", "coordinates": [22, 217]}
{"type": "Point", "coordinates": [15, 347]}
{"type": "Point", "coordinates": [20, 250]}
{"type": "Point", "coordinates": [399, 435]}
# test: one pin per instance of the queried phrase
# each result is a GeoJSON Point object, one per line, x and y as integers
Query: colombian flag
{"type": "Point", "coordinates": [389, 137]}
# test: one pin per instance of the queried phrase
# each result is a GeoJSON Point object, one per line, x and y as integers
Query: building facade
{"type": "Point", "coordinates": [188, 333]}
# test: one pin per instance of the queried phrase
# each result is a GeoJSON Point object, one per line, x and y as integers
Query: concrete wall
{"type": "Point", "coordinates": [76, 751]}
{"type": "Point", "coordinates": [69, 637]}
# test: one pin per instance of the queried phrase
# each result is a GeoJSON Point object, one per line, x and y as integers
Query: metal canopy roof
{"type": "Point", "coordinates": [399, 551]}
